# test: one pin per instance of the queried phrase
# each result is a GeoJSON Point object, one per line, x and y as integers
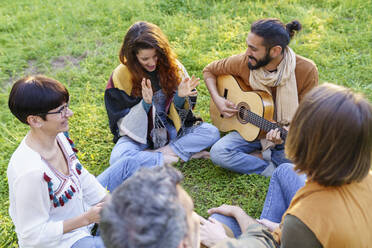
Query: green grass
{"type": "Point", "coordinates": [77, 42]}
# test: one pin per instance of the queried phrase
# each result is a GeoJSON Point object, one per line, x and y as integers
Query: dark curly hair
{"type": "Point", "coordinates": [145, 35]}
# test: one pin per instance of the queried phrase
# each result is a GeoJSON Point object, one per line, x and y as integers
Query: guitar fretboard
{"type": "Point", "coordinates": [260, 122]}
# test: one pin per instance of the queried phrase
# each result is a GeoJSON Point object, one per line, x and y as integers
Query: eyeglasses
{"type": "Point", "coordinates": [62, 111]}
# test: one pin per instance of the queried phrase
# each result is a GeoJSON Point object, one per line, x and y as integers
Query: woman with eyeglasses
{"type": "Point", "coordinates": [149, 99]}
{"type": "Point", "coordinates": [53, 199]}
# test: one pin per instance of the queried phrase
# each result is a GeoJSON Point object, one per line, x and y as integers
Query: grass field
{"type": "Point", "coordinates": [77, 42]}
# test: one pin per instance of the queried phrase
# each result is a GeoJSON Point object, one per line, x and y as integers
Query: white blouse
{"type": "Point", "coordinates": [41, 197]}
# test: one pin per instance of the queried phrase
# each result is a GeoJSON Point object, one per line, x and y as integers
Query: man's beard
{"type": "Point", "coordinates": [259, 63]}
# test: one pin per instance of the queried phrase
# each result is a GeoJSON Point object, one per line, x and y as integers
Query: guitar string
{"type": "Point", "coordinates": [259, 121]}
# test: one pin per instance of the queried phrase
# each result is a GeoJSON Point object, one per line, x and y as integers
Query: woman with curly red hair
{"type": "Point", "coordinates": [149, 99]}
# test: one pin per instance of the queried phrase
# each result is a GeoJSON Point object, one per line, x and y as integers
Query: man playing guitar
{"type": "Point", "coordinates": [268, 65]}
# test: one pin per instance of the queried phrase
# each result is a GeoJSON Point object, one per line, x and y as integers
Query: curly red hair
{"type": "Point", "coordinates": [145, 35]}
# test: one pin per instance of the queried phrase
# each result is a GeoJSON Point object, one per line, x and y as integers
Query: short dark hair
{"type": "Point", "coordinates": [145, 211]}
{"type": "Point", "coordinates": [36, 95]}
{"type": "Point", "coordinates": [274, 32]}
{"type": "Point", "coordinates": [330, 138]}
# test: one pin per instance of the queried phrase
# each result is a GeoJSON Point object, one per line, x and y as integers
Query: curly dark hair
{"type": "Point", "coordinates": [145, 35]}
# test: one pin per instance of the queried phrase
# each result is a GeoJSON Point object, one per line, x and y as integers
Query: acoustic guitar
{"type": "Point", "coordinates": [255, 110]}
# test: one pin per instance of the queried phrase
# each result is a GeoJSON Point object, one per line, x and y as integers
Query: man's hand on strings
{"type": "Point", "coordinates": [226, 108]}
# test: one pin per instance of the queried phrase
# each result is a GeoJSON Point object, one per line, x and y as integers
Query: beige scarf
{"type": "Point", "coordinates": [284, 80]}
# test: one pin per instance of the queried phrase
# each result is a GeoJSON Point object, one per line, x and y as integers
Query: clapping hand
{"type": "Point", "coordinates": [146, 90]}
{"type": "Point", "coordinates": [185, 88]}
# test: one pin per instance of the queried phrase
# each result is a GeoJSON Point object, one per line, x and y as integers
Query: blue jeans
{"type": "Point", "coordinates": [230, 222]}
{"type": "Point", "coordinates": [194, 139]}
{"type": "Point", "coordinates": [284, 184]}
{"type": "Point", "coordinates": [89, 241]}
{"type": "Point", "coordinates": [232, 152]}
{"type": "Point", "coordinates": [117, 173]}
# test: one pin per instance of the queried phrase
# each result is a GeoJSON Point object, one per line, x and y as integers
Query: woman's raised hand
{"type": "Point", "coordinates": [185, 88]}
{"type": "Point", "coordinates": [146, 90]}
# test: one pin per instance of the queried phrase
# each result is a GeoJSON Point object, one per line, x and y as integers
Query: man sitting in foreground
{"type": "Point", "coordinates": [150, 209]}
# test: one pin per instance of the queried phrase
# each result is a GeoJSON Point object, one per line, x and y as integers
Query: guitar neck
{"type": "Point", "coordinates": [262, 123]}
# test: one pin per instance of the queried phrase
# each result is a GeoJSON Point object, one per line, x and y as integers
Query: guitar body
{"type": "Point", "coordinates": [258, 102]}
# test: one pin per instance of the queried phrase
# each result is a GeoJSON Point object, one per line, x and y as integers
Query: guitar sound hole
{"type": "Point", "coordinates": [243, 111]}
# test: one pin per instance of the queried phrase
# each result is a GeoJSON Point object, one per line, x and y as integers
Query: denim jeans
{"type": "Point", "coordinates": [193, 140]}
{"type": "Point", "coordinates": [89, 241]}
{"type": "Point", "coordinates": [229, 222]}
{"type": "Point", "coordinates": [232, 152]}
{"type": "Point", "coordinates": [117, 173]}
{"type": "Point", "coordinates": [284, 184]}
